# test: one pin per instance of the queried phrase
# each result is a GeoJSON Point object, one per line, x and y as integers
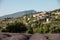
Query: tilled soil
{"type": "Point", "coordinates": [21, 36]}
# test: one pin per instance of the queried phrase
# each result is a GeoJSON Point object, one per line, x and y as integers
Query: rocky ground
{"type": "Point", "coordinates": [20, 36]}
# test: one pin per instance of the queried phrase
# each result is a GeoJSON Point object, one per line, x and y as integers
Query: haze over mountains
{"type": "Point", "coordinates": [18, 14]}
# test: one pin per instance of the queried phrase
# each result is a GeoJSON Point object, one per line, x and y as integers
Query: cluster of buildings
{"type": "Point", "coordinates": [42, 15]}
{"type": "Point", "coordinates": [47, 16]}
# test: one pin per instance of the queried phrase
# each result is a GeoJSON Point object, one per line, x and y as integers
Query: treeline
{"type": "Point", "coordinates": [53, 27]}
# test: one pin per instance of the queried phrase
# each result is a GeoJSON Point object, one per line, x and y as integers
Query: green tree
{"type": "Point", "coordinates": [16, 28]}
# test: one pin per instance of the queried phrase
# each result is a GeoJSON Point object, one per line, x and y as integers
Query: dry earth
{"type": "Point", "coordinates": [20, 36]}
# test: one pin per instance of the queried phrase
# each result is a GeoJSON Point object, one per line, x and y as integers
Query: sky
{"type": "Point", "coordinates": [12, 6]}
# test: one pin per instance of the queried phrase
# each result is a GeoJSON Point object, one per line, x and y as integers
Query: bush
{"type": "Point", "coordinates": [16, 28]}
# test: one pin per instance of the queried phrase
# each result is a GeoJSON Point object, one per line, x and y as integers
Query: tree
{"type": "Point", "coordinates": [16, 28]}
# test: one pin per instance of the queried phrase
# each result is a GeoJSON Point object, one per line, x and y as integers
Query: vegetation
{"type": "Point", "coordinates": [30, 24]}
{"type": "Point", "coordinates": [16, 28]}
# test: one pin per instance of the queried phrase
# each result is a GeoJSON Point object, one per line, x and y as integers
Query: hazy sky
{"type": "Point", "coordinates": [12, 6]}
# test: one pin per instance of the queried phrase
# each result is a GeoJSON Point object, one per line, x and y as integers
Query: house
{"type": "Point", "coordinates": [40, 15]}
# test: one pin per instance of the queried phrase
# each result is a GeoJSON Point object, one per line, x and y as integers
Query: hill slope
{"type": "Point", "coordinates": [17, 14]}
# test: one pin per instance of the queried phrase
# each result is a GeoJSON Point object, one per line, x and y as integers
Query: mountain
{"type": "Point", "coordinates": [17, 14]}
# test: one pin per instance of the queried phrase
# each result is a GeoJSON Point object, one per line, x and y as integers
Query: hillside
{"type": "Point", "coordinates": [38, 22]}
{"type": "Point", "coordinates": [17, 14]}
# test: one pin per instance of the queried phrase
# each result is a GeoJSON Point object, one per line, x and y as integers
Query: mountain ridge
{"type": "Point", "coordinates": [17, 14]}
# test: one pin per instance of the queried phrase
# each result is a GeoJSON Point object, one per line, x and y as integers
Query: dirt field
{"type": "Point", "coordinates": [21, 36]}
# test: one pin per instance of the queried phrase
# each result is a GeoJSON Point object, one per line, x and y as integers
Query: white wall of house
{"type": "Point", "coordinates": [47, 19]}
